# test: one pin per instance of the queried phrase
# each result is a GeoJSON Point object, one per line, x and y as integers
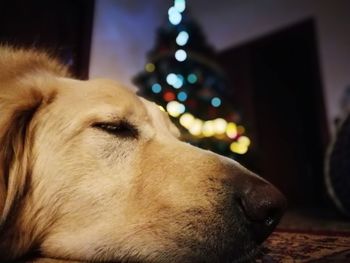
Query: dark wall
{"type": "Point", "coordinates": [62, 27]}
{"type": "Point", "coordinates": [276, 81]}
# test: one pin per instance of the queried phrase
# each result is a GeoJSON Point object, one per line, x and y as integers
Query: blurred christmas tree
{"type": "Point", "coordinates": [182, 76]}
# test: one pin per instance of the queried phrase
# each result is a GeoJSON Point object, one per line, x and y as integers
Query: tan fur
{"type": "Point", "coordinates": [74, 192]}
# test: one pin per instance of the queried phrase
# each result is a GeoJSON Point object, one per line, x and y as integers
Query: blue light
{"type": "Point", "coordinates": [179, 76]}
{"type": "Point", "coordinates": [156, 88]}
{"type": "Point", "coordinates": [180, 55]}
{"type": "Point", "coordinates": [174, 16]}
{"type": "Point", "coordinates": [182, 38]}
{"type": "Point", "coordinates": [179, 81]}
{"type": "Point", "coordinates": [216, 102]}
{"type": "Point", "coordinates": [192, 78]}
{"type": "Point", "coordinates": [180, 5]}
{"type": "Point", "coordinates": [172, 10]}
{"type": "Point", "coordinates": [182, 96]}
{"type": "Point", "coordinates": [171, 79]}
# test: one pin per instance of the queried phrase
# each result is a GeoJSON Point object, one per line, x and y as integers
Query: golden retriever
{"type": "Point", "coordinates": [90, 172]}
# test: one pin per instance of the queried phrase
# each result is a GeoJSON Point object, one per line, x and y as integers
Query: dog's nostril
{"type": "Point", "coordinates": [263, 206]}
{"type": "Point", "coordinates": [269, 221]}
{"type": "Point", "coordinates": [272, 217]}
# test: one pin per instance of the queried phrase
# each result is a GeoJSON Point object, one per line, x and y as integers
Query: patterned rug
{"type": "Point", "coordinates": [285, 246]}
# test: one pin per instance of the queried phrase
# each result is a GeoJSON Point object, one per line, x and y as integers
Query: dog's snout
{"type": "Point", "coordinates": [263, 206]}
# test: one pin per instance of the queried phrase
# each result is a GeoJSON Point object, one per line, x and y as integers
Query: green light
{"type": "Point", "coordinates": [216, 102]}
{"type": "Point", "coordinates": [192, 78]}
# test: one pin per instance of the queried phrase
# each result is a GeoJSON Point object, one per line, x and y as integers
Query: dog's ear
{"type": "Point", "coordinates": [17, 108]}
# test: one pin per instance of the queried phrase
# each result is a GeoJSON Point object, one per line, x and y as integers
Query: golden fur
{"type": "Point", "coordinates": [69, 190]}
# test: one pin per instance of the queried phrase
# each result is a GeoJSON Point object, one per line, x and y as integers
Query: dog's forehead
{"type": "Point", "coordinates": [102, 91]}
{"type": "Point", "coordinates": [101, 96]}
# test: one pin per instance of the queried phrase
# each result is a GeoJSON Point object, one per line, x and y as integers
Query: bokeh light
{"type": "Point", "coordinates": [150, 67]}
{"type": "Point", "coordinates": [239, 148]}
{"type": "Point", "coordinates": [156, 88]}
{"type": "Point", "coordinates": [174, 16]}
{"type": "Point", "coordinates": [196, 127]}
{"type": "Point", "coordinates": [175, 109]}
{"type": "Point", "coordinates": [208, 128]}
{"type": "Point", "coordinates": [182, 38]}
{"type": "Point", "coordinates": [244, 140]}
{"type": "Point", "coordinates": [168, 96]}
{"type": "Point", "coordinates": [192, 78]}
{"type": "Point", "coordinates": [180, 5]}
{"type": "Point", "coordinates": [171, 79]}
{"type": "Point", "coordinates": [220, 125]}
{"type": "Point", "coordinates": [179, 81]}
{"type": "Point", "coordinates": [216, 102]}
{"type": "Point", "coordinates": [180, 55]}
{"type": "Point", "coordinates": [186, 120]}
{"type": "Point", "coordinates": [231, 130]}
{"type": "Point", "coordinates": [182, 96]}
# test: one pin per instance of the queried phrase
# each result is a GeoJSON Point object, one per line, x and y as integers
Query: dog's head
{"type": "Point", "coordinates": [89, 171]}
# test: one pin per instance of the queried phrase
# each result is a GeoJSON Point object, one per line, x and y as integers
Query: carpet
{"type": "Point", "coordinates": [286, 246]}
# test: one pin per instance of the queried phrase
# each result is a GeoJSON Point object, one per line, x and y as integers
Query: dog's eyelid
{"type": "Point", "coordinates": [120, 128]}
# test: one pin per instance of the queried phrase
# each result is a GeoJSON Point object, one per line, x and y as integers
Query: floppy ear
{"type": "Point", "coordinates": [17, 108]}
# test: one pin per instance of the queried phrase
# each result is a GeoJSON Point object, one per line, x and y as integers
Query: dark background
{"type": "Point", "coordinates": [62, 27]}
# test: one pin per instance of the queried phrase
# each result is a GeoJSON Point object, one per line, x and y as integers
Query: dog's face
{"type": "Point", "coordinates": [107, 179]}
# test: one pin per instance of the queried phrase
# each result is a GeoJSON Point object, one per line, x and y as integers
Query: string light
{"type": "Point", "coordinates": [192, 78]}
{"type": "Point", "coordinates": [244, 140]}
{"type": "Point", "coordinates": [174, 80]}
{"type": "Point", "coordinates": [182, 38]}
{"type": "Point", "coordinates": [180, 5]}
{"type": "Point", "coordinates": [180, 55]}
{"type": "Point", "coordinates": [231, 130]}
{"type": "Point", "coordinates": [156, 88]}
{"type": "Point", "coordinates": [208, 129]}
{"type": "Point", "coordinates": [175, 108]}
{"type": "Point", "coordinates": [196, 127]}
{"type": "Point", "coordinates": [182, 96]}
{"type": "Point", "coordinates": [171, 79]}
{"type": "Point", "coordinates": [239, 148]}
{"type": "Point", "coordinates": [220, 125]}
{"type": "Point", "coordinates": [174, 16]}
{"type": "Point", "coordinates": [168, 96]}
{"type": "Point", "coordinates": [241, 145]}
{"type": "Point", "coordinates": [186, 120]}
{"type": "Point", "coordinates": [150, 67]}
{"type": "Point", "coordinates": [216, 102]}
{"type": "Point", "coordinates": [179, 81]}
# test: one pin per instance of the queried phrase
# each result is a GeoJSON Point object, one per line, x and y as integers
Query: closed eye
{"type": "Point", "coordinates": [121, 129]}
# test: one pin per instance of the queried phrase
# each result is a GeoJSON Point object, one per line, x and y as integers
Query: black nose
{"type": "Point", "coordinates": [263, 206]}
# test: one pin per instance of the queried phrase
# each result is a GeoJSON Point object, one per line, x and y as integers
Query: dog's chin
{"type": "Point", "coordinates": [249, 256]}
{"type": "Point", "coordinates": [246, 256]}
{"type": "Point", "coordinates": [242, 256]}
{"type": "Point", "coordinates": [233, 257]}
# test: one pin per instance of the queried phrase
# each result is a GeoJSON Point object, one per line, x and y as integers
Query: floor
{"type": "Point", "coordinates": [315, 220]}
{"type": "Point", "coordinates": [308, 236]}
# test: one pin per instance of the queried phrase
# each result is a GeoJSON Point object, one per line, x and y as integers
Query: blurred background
{"type": "Point", "coordinates": [264, 82]}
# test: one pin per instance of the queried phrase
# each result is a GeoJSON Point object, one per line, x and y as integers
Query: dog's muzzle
{"type": "Point", "coordinates": [261, 204]}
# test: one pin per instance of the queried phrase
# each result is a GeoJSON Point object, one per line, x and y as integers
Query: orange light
{"type": "Point", "coordinates": [168, 96]}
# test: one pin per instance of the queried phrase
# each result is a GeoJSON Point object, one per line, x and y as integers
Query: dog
{"type": "Point", "coordinates": [91, 172]}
